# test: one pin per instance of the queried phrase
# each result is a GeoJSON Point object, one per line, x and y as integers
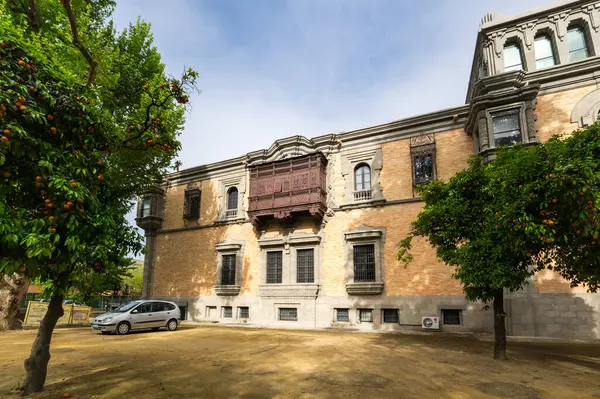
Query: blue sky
{"type": "Point", "coordinates": [275, 68]}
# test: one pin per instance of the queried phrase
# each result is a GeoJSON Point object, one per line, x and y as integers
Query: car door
{"type": "Point", "coordinates": [142, 316]}
{"type": "Point", "coordinates": [160, 312]}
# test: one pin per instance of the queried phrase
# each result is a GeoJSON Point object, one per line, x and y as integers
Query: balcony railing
{"type": "Point", "coordinates": [363, 195]}
{"type": "Point", "coordinates": [231, 214]}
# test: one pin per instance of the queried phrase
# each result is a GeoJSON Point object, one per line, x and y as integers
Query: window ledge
{"type": "Point", "coordinates": [227, 290]}
{"type": "Point", "coordinates": [362, 204]}
{"type": "Point", "coordinates": [364, 288]}
{"type": "Point", "coordinates": [289, 290]}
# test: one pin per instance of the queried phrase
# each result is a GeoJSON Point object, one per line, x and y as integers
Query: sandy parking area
{"type": "Point", "coordinates": [225, 362]}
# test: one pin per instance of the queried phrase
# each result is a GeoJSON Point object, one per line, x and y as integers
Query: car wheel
{"type": "Point", "coordinates": [123, 328]}
{"type": "Point", "coordinates": [155, 328]}
{"type": "Point", "coordinates": [172, 325]}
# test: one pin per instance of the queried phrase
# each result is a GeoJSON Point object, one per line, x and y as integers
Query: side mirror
{"type": "Point", "coordinates": [135, 311]}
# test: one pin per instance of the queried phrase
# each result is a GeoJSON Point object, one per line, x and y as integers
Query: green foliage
{"type": "Point", "coordinates": [74, 155]}
{"type": "Point", "coordinates": [533, 208]}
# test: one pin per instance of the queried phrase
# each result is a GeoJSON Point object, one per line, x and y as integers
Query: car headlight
{"type": "Point", "coordinates": [107, 320]}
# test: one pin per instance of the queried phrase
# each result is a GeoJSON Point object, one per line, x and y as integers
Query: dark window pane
{"type": "Point", "coordinates": [342, 315]}
{"type": "Point", "coordinates": [577, 44]}
{"type": "Point", "coordinates": [192, 204]}
{"type": "Point", "coordinates": [512, 58]}
{"type": "Point", "coordinates": [228, 270]}
{"type": "Point", "coordinates": [146, 203]}
{"type": "Point", "coordinates": [227, 312]}
{"type": "Point", "coordinates": [365, 315]}
{"type": "Point", "coordinates": [232, 199]}
{"type": "Point", "coordinates": [451, 316]}
{"type": "Point", "coordinates": [274, 267]}
{"type": "Point", "coordinates": [288, 314]}
{"type": "Point", "coordinates": [544, 55]}
{"type": "Point", "coordinates": [305, 266]}
{"type": "Point", "coordinates": [244, 312]}
{"type": "Point", "coordinates": [362, 178]}
{"type": "Point", "coordinates": [159, 307]}
{"type": "Point", "coordinates": [507, 128]}
{"type": "Point", "coordinates": [145, 307]}
{"type": "Point", "coordinates": [364, 263]}
{"type": "Point", "coordinates": [423, 168]}
{"type": "Point", "coordinates": [390, 316]}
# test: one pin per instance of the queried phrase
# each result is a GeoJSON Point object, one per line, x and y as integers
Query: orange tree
{"type": "Point", "coordinates": [532, 208]}
{"type": "Point", "coordinates": [72, 156]}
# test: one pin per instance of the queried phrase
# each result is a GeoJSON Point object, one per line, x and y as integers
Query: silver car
{"type": "Point", "coordinates": [142, 314]}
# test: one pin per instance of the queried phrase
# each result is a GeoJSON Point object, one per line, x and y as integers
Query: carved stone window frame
{"type": "Point", "coordinates": [361, 236]}
{"type": "Point", "coordinates": [522, 121]}
{"type": "Point", "coordinates": [373, 158]}
{"type": "Point", "coordinates": [238, 182]}
{"type": "Point", "coordinates": [229, 248]}
{"type": "Point", "coordinates": [289, 245]}
{"type": "Point", "coordinates": [422, 145]}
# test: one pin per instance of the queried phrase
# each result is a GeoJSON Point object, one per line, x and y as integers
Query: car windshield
{"type": "Point", "coordinates": [127, 307]}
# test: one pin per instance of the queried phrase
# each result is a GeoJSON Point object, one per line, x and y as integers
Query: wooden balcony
{"type": "Point", "coordinates": [285, 189]}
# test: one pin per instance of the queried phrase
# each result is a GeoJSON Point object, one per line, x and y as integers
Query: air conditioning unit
{"type": "Point", "coordinates": [430, 322]}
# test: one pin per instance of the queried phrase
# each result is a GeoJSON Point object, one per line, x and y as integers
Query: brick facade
{"type": "Point", "coordinates": [186, 252]}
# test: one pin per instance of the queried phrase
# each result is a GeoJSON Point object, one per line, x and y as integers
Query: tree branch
{"type": "Point", "coordinates": [75, 39]}
{"type": "Point", "coordinates": [32, 14]}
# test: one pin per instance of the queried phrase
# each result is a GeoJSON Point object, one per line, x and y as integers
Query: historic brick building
{"type": "Point", "coordinates": [305, 233]}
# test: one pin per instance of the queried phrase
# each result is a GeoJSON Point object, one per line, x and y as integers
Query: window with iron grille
{"type": "Point", "coordinates": [424, 168]}
{"type": "Point", "coordinates": [288, 314]}
{"type": "Point", "coordinates": [227, 312]}
{"type": "Point", "coordinates": [365, 315]}
{"type": "Point", "coordinates": [451, 316]}
{"type": "Point", "coordinates": [364, 263]}
{"type": "Point", "coordinates": [342, 315]}
{"type": "Point", "coordinates": [390, 316]}
{"type": "Point", "coordinates": [244, 312]}
{"type": "Point", "coordinates": [274, 267]}
{"type": "Point", "coordinates": [192, 204]}
{"type": "Point", "coordinates": [228, 270]}
{"type": "Point", "coordinates": [305, 266]}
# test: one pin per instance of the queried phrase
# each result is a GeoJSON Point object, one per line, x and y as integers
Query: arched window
{"type": "Point", "coordinates": [512, 57]}
{"type": "Point", "coordinates": [232, 202]}
{"type": "Point", "coordinates": [577, 46]}
{"type": "Point", "coordinates": [544, 54]}
{"type": "Point", "coordinates": [362, 178]}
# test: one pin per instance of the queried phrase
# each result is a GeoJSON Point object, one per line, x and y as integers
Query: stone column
{"type": "Point", "coordinates": [149, 264]}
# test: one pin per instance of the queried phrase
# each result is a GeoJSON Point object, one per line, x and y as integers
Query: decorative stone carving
{"type": "Point", "coordinates": [527, 31]}
{"type": "Point", "coordinates": [560, 22]}
{"type": "Point", "coordinates": [586, 110]}
{"type": "Point", "coordinates": [227, 290]}
{"type": "Point", "coordinates": [482, 129]}
{"type": "Point", "coordinates": [289, 290]}
{"type": "Point", "coordinates": [593, 10]}
{"type": "Point", "coordinates": [364, 288]}
{"type": "Point", "coordinates": [530, 119]}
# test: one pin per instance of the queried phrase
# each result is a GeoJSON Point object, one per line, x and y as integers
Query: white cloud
{"type": "Point", "coordinates": [311, 67]}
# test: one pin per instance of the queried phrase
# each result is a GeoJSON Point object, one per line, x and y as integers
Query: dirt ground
{"type": "Point", "coordinates": [225, 362]}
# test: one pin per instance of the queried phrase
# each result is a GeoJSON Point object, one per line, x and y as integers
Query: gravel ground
{"type": "Point", "coordinates": [222, 362]}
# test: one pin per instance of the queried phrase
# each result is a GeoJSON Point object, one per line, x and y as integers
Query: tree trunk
{"type": "Point", "coordinates": [499, 327]}
{"type": "Point", "coordinates": [36, 365]}
{"type": "Point", "coordinates": [12, 289]}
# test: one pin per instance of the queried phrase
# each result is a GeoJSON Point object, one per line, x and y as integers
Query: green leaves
{"type": "Point", "coordinates": [530, 209]}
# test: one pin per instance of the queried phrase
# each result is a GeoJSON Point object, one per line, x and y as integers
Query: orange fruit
{"type": "Point", "coordinates": [21, 62]}
{"type": "Point", "coordinates": [51, 218]}
{"type": "Point", "coordinates": [73, 184]}
{"type": "Point", "coordinates": [50, 117]}
{"type": "Point", "coordinates": [6, 174]}
{"type": "Point", "coordinates": [38, 178]}
{"type": "Point", "coordinates": [6, 132]}
{"type": "Point", "coordinates": [100, 178]}
{"type": "Point", "coordinates": [47, 201]}
{"type": "Point", "coordinates": [52, 230]}
{"type": "Point", "coordinates": [38, 185]}
{"type": "Point", "coordinates": [23, 268]}
{"type": "Point", "coordinates": [53, 130]}
{"type": "Point", "coordinates": [66, 395]}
